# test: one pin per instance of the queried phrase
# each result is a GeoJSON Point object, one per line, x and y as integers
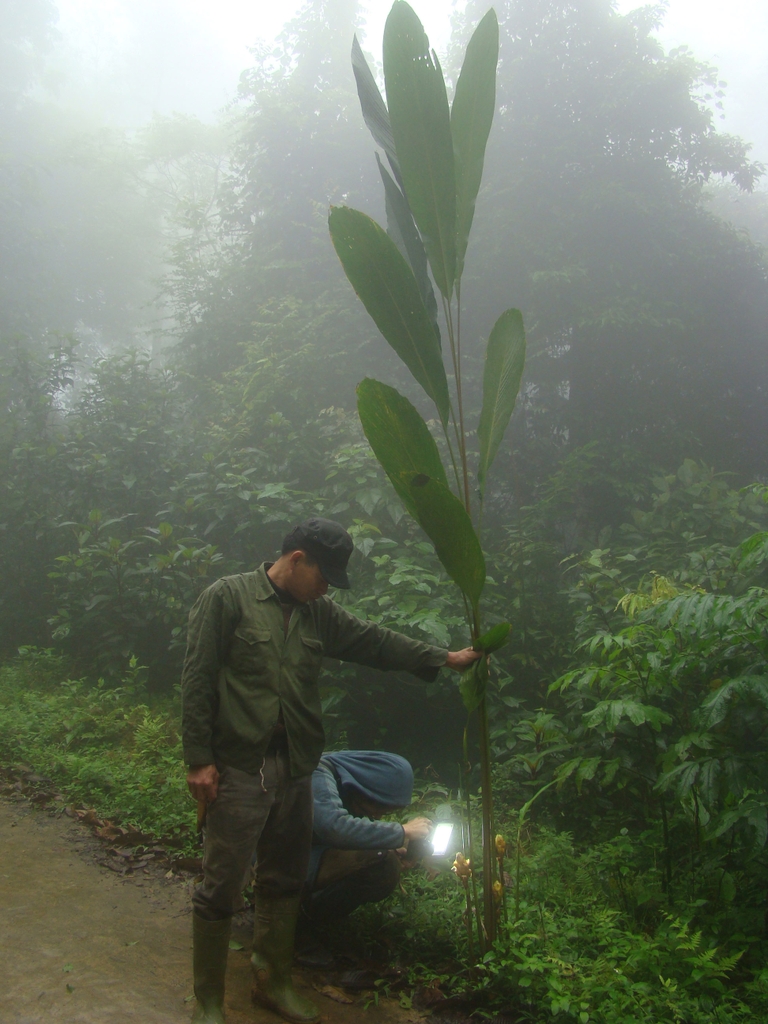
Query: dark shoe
{"type": "Point", "coordinates": [210, 941]}
{"type": "Point", "coordinates": [310, 949]}
{"type": "Point", "coordinates": [316, 958]}
{"type": "Point", "coordinates": [273, 937]}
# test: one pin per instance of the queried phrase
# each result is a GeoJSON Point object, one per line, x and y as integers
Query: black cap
{"type": "Point", "coordinates": [329, 543]}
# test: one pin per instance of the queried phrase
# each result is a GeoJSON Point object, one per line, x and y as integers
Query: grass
{"type": "Point", "coordinates": [108, 748]}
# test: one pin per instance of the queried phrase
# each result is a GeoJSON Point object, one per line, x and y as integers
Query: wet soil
{"type": "Point", "coordinates": [83, 942]}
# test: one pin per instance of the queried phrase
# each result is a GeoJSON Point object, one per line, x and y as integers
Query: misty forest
{"type": "Point", "coordinates": [210, 331]}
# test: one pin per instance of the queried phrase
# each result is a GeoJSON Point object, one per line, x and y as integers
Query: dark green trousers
{"type": "Point", "coordinates": [269, 814]}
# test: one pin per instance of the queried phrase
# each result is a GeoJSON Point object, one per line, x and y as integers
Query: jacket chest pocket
{"type": "Point", "coordinates": [311, 653]}
{"type": "Point", "coordinates": [249, 648]}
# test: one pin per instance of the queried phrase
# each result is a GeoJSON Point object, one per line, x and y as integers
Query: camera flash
{"type": "Point", "coordinates": [440, 838]}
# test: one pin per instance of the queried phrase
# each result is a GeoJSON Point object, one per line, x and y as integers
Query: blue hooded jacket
{"type": "Point", "coordinates": [385, 778]}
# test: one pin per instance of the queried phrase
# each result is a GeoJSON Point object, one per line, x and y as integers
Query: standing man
{"type": "Point", "coordinates": [253, 735]}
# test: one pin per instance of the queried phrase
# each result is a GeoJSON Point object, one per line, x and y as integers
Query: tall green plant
{"type": "Point", "coordinates": [435, 153]}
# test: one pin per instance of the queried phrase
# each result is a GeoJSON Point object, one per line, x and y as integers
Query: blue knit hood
{"type": "Point", "coordinates": [378, 775]}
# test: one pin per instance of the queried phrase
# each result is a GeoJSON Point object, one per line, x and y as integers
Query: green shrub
{"type": "Point", "coordinates": [104, 747]}
{"type": "Point", "coordinates": [573, 951]}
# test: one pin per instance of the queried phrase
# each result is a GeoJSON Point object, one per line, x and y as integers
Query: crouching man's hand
{"type": "Point", "coordinates": [459, 660]}
{"type": "Point", "coordinates": [417, 828]}
{"type": "Point", "coordinates": [203, 782]}
{"type": "Point", "coordinates": [416, 831]}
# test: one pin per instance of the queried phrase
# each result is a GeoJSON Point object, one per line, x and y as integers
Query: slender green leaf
{"type": "Point", "coordinates": [385, 283]}
{"type": "Point", "coordinates": [445, 521]}
{"type": "Point", "coordinates": [375, 113]}
{"type": "Point", "coordinates": [504, 362]}
{"type": "Point", "coordinates": [472, 684]}
{"type": "Point", "coordinates": [402, 230]}
{"type": "Point", "coordinates": [471, 116]}
{"type": "Point", "coordinates": [400, 223]}
{"type": "Point", "coordinates": [493, 639]}
{"type": "Point", "coordinates": [400, 438]}
{"type": "Point", "coordinates": [421, 126]}
{"type": "Point", "coordinates": [529, 803]}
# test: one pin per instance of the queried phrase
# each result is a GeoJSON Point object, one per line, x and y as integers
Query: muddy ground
{"type": "Point", "coordinates": [83, 941]}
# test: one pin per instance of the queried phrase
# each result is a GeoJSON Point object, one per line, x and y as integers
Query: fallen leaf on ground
{"type": "Point", "coordinates": [424, 998]}
{"type": "Point", "coordinates": [333, 993]}
{"type": "Point", "coordinates": [127, 854]}
{"type": "Point", "coordinates": [110, 831]}
{"type": "Point", "coordinates": [188, 863]}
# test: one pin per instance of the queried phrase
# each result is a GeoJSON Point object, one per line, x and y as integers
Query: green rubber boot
{"type": "Point", "coordinates": [210, 941]}
{"type": "Point", "coordinates": [274, 928]}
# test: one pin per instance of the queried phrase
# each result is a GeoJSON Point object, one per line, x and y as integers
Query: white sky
{"type": "Point", "coordinates": [186, 55]}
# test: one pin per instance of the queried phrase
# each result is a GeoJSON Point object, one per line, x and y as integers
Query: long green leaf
{"type": "Point", "coordinates": [471, 117]}
{"type": "Point", "coordinates": [375, 113]}
{"type": "Point", "coordinates": [385, 283]}
{"type": "Point", "coordinates": [494, 639]}
{"type": "Point", "coordinates": [403, 232]}
{"type": "Point", "coordinates": [400, 223]}
{"type": "Point", "coordinates": [400, 438]}
{"type": "Point", "coordinates": [504, 362]}
{"type": "Point", "coordinates": [421, 126]}
{"type": "Point", "coordinates": [472, 684]}
{"type": "Point", "coordinates": [444, 519]}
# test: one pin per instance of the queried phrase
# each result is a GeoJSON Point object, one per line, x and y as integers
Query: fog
{"type": "Point", "coordinates": [169, 167]}
{"type": "Point", "coordinates": [185, 56]}
{"type": "Point", "coordinates": [134, 58]}
{"type": "Point", "coordinates": [733, 38]}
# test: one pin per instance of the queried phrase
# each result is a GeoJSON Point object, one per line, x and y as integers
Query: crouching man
{"type": "Point", "coordinates": [252, 736]}
{"type": "Point", "coordinates": [356, 858]}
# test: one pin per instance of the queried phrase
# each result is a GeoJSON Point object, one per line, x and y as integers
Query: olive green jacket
{"type": "Point", "coordinates": [240, 670]}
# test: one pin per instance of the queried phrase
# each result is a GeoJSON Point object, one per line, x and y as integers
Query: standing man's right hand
{"type": "Point", "coordinates": [203, 782]}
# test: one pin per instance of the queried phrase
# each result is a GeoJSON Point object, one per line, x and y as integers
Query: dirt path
{"type": "Point", "coordinates": [80, 943]}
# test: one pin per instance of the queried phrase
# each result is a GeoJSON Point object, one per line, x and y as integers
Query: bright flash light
{"type": "Point", "coordinates": [440, 838]}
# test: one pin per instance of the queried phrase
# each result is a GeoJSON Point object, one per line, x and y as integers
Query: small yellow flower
{"type": "Point", "coordinates": [501, 846]}
{"type": "Point", "coordinates": [498, 891]}
{"type": "Point", "coordinates": [462, 867]}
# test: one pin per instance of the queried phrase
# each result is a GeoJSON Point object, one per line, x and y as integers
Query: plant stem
{"type": "Point", "coordinates": [470, 943]}
{"type": "Point", "coordinates": [451, 452]}
{"type": "Point", "coordinates": [486, 926]}
{"type": "Point", "coordinates": [460, 402]}
{"type": "Point", "coordinates": [503, 890]}
{"type": "Point", "coordinates": [667, 885]}
{"type": "Point", "coordinates": [489, 910]}
{"type": "Point", "coordinates": [471, 846]}
{"type": "Point", "coordinates": [517, 873]}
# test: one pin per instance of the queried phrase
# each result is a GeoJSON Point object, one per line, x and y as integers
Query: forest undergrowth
{"type": "Point", "coordinates": [632, 795]}
{"type": "Point", "coordinates": [104, 747]}
{"type": "Point", "coordinates": [588, 932]}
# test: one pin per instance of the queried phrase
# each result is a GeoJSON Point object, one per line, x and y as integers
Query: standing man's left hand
{"type": "Point", "coordinates": [203, 782]}
{"type": "Point", "coordinates": [459, 660]}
